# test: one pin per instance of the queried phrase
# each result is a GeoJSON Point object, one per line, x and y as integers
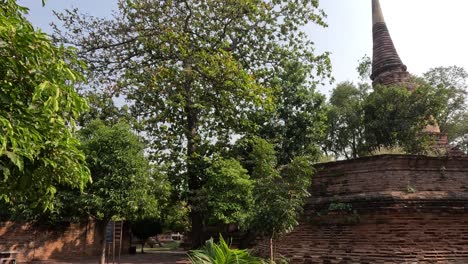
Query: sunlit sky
{"type": "Point", "coordinates": [426, 33]}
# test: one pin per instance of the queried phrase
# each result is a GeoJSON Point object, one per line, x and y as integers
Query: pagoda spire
{"type": "Point", "coordinates": [377, 15]}
{"type": "Point", "coordinates": [387, 67]}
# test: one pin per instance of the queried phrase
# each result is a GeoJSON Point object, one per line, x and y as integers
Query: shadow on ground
{"type": "Point", "coordinates": [154, 257]}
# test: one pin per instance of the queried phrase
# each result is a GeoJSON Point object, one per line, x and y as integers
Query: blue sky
{"type": "Point", "coordinates": [426, 33]}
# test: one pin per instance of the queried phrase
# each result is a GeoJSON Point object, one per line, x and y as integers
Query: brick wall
{"type": "Point", "coordinates": [383, 209]}
{"type": "Point", "coordinates": [34, 242]}
{"type": "Point", "coordinates": [390, 173]}
{"type": "Point", "coordinates": [384, 237]}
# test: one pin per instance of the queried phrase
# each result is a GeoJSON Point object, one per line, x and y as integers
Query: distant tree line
{"type": "Point", "coordinates": [363, 121]}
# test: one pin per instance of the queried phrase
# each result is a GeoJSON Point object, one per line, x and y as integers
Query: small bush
{"type": "Point", "coordinates": [220, 253]}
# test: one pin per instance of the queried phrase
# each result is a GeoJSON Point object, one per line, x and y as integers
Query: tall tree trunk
{"type": "Point", "coordinates": [103, 252]}
{"type": "Point", "coordinates": [194, 185]}
{"type": "Point", "coordinates": [272, 252]}
{"type": "Point", "coordinates": [354, 147]}
{"type": "Point", "coordinates": [159, 242]}
{"type": "Point", "coordinates": [272, 248]}
{"type": "Point", "coordinates": [197, 230]}
{"type": "Point", "coordinates": [191, 133]}
{"type": "Point", "coordinates": [142, 246]}
{"type": "Point", "coordinates": [104, 243]}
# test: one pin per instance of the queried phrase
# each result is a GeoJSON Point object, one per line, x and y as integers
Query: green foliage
{"type": "Point", "coordinates": [389, 151]}
{"type": "Point", "coordinates": [364, 68]}
{"type": "Point", "coordinates": [102, 107]}
{"type": "Point", "coordinates": [175, 216]}
{"type": "Point", "coordinates": [343, 207]}
{"type": "Point", "coordinates": [193, 74]}
{"type": "Point", "coordinates": [361, 123]}
{"type": "Point", "coordinates": [122, 184]}
{"type": "Point", "coordinates": [463, 144]}
{"type": "Point", "coordinates": [279, 192]}
{"type": "Point", "coordinates": [298, 123]}
{"type": "Point", "coordinates": [346, 121]}
{"type": "Point", "coordinates": [396, 117]}
{"type": "Point", "coordinates": [453, 120]}
{"type": "Point", "coordinates": [38, 109]}
{"type": "Point", "coordinates": [226, 196]}
{"type": "Point", "coordinates": [220, 253]}
{"type": "Point", "coordinates": [410, 189]}
{"type": "Point", "coordinates": [197, 71]}
{"type": "Point", "coordinates": [173, 212]}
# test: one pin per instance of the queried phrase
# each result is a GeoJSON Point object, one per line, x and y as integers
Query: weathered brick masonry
{"type": "Point", "coordinates": [383, 209]}
{"type": "Point", "coordinates": [69, 240]}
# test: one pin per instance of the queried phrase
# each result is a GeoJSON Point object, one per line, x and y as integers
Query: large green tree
{"type": "Point", "coordinates": [38, 109]}
{"type": "Point", "coordinates": [279, 191]}
{"type": "Point", "coordinates": [396, 117]}
{"type": "Point", "coordinates": [103, 107]}
{"type": "Point", "coordinates": [454, 119]}
{"type": "Point", "coordinates": [122, 177]}
{"type": "Point", "coordinates": [226, 195]}
{"type": "Point", "coordinates": [451, 85]}
{"type": "Point", "coordinates": [122, 184]}
{"type": "Point", "coordinates": [298, 123]}
{"type": "Point", "coordinates": [196, 70]}
{"type": "Point", "coordinates": [388, 118]}
{"type": "Point", "coordinates": [346, 121]}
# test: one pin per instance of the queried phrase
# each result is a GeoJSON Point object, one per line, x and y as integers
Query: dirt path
{"type": "Point", "coordinates": [172, 257]}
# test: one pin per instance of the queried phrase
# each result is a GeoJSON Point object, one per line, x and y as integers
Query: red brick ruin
{"type": "Point", "coordinates": [64, 241]}
{"type": "Point", "coordinates": [383, 209]}
{"type": "Point", "coordinates": [387, 208]}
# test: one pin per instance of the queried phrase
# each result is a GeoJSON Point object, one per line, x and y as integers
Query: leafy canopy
{"type": "Point", "coordinates": [450, 87]}
{"type": "Point", "coordinates": [196, 71]}
{"type": "Point", "coordinates": [361, 123]}
{"type": "Point", "coordinates": [195, 80]}
{"type": "Point", "coordinates": [297, 124]}
{"type": "Point", "coordinates": [226, 195]}
{"type": "Point", "coordinates": [279, 192]}
{"type": "Point", "coordinates": [453, 120]}
{"type": "Point", "coordinates": [122, 184]}
{"type": "Point", "coordinates": [346, 120]}
{"type": "Point", "coordinates": [396, 117]}
{"type": "Point", "coordinates": [38, 109]}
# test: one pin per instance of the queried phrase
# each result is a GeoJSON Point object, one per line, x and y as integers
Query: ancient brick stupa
{"type": "Point", "coordinates": [385, 208]}
{"type": "Point", "coordinates": [388, 69]}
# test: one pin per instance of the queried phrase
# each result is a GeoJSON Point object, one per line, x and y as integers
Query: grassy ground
{"type": "Point", "coordinates": [166, 246]}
